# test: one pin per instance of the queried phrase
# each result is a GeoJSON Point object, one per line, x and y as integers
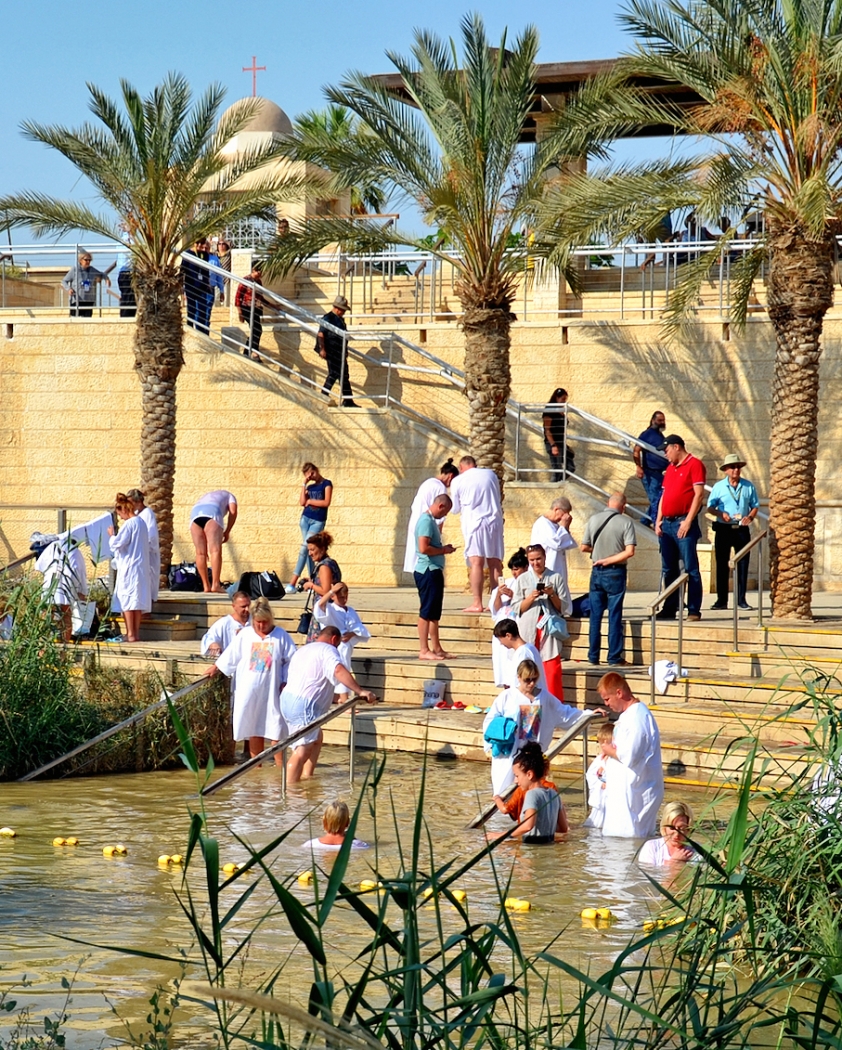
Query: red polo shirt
{"type": "Point", "coordinates": [679, 482]}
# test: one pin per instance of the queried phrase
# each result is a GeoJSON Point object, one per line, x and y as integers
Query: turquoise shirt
{"type": "Point", "coordinates": [427, 527]}
{"type": "Point", "coordinates": [735, 501]}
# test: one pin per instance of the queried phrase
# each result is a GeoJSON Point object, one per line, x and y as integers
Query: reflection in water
{"type": "Point", "coordinates": [49, 893]}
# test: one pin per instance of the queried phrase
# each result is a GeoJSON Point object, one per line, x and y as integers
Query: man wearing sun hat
{"type": "Point", "coordinates": [734, 502]}
{"type": "Point", "coordinates": [333, 348]}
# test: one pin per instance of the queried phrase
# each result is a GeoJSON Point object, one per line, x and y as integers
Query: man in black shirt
{"type": "Point", "coordinates": [196, 281]}
{"type": "Point", "coordinates": [333, 349]}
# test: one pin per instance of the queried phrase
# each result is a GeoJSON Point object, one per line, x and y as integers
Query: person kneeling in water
{"type": "Point", "coordinates": [336, 820]}
{"type": "Point", "coordinates": [542, 814]}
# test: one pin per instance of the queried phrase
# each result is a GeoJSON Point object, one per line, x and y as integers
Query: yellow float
{"type": "Point", "coordinates": [517, 904]}
{"type": "Point", "coordinates": [305, 878]}
{"type": "Point", "coordinates": [7, 833]}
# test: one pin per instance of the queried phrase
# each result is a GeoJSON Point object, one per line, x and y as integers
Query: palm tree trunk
{"type": "Point", "coordinates": [488, 383]}
{"type": "Point", "coordinates": [800, 290]}
{"type": "Point", "coordinates": [159, 357]}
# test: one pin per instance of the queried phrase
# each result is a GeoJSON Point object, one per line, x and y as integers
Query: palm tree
{"type": "Point", "coordinates": [455, 154]}
{"type": "Point", "coordinates": [768, 74]}
{"type": "Point", "coordinates": [322, 128]}
{"type": "Point", "coordinates": [160, 169]}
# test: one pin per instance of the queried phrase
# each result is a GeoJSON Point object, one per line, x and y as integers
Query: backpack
{"type": "Point", "coordinates": [265, 584]}
{"type": "Point", "coordinates": [185, 577]}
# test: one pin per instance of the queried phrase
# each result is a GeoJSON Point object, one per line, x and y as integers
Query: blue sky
{"type": "Point", "coordinates": [52, 49]}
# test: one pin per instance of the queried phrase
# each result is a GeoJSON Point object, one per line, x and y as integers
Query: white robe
{"type": "Point", "coordinates": [148, 516]}
{"type": "Point", "coordinates": [65, 575]}
{"type": "Point", "coordinates": [259, 667]}
{"type": "Point", "coordinates": [424, 497]}
{"type": "Point", "coordinates": [476, 497]}
{"type": "Point", "coordinates": [527, 651]}
{"type": "Point", "coordinates": [222, 633]}
{"type": "Point", "coordinates": [130, 548]}
{"type": "Point", "coordinates": [344, 620]}
{"type": "Point", "coordinates": [634, 781]}
{"type": "Point", "coordinates": [537, 717]}
{"type": "Point", "coordinates": [556, 541]}
{"type": "Point", "coordinates": [499, 653]}
{"type": "Point", "coordinates": [595, 779]}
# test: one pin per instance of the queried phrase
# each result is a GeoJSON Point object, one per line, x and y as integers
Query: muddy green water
{"type": "Point", "coordinates": [48, 893]}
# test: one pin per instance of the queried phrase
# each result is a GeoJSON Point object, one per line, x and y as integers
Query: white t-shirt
{"type": "Point", "coordinates": [214, 505]}
{"type": "Point", "coordinates": [310, 683]}
{"type": "Point", "coordinates": [315, 844]}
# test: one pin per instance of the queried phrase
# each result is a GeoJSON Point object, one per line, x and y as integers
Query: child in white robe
{"type": "Point", "coordinates": [595, 778]}
{"type": "Point", "coordinates": [333, 610]}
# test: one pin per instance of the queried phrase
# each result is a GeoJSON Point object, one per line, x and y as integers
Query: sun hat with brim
{"type": "Point", "coordinates": [732, 461]}
{"type": "Point", "coordinates": [341, 303]}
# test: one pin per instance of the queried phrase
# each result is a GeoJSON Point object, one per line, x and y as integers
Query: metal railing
{"type": "Point", "coordinates": [733, 565]}
{"type": "Point", "coordinates": [679, 585]}
{"type": "Point", "coordinates": [283, 745]}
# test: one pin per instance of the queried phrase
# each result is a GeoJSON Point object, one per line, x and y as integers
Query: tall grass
{"type": "Point", "coordinates": [724, 968]}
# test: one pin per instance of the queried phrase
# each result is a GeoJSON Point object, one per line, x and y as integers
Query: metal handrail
{"type": "Point", "coordinates": [282, 746]}
{"type": "Point", "coordinates": [18, 561]}
{"type": "Point", "coordinates": [732, 565]}
{"type": "Point", "coordinates": [677, 585]}
{"type": "Point", "coordinates": [581, 726]}
{"type": "Point", "coordinates": [116, 729]}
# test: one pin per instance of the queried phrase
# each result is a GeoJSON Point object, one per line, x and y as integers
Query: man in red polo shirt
{"type": "Point", "coordinates": [677, 526]}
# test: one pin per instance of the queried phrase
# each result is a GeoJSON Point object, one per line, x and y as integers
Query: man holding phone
{"type": "Point", "coordinates": [429, 577]}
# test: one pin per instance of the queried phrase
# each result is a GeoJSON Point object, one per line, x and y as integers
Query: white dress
{"type": "Point", "coordinates": [537, 718]}
{"type": "Point", "coordinates": [346, 621]}
{"type": "Point", "coordinates": [556, 541]}
{"type": "Point", "coordinates": [259, 667]}
{"type": "Point", "coordinates": [476, 496]}
{"type": "Point", "coordinates": [148, 515]}
{"type": "Point", "coordinates": [130, 548]}
{"type": "Point", "coordinates": [428, 491]}
{"type": "Point", "coordinates": [65, 576]}
{"type": "Point", "coordinates": [634, 781]}
{"type": "Point", "coordinates": [595, 779]}
{"type": "Point", "coordinates": [222, 633]}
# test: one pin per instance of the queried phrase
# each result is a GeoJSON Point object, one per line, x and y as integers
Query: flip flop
{"type": "Point", "coordinates": [458, 705]}
{"type": "Point", "coordinates": [472, 709]}
{"type": "Point", "coordinates": [443, 705]}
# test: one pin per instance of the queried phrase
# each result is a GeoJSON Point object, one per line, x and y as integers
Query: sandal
{"type": "Point", "coordinates": [458, 705]}
{"type": "Point", "coordinates": [443, 705]}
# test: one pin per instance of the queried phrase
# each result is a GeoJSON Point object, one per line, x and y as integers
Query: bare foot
{"type": "Point", "coordinates": [475, 609]}
{"type": "Point", "coordinates": [429, 656]}
{"type": "Point", "coordinates": [442, 655]}
{"type": "Point", "coordinates": [217, 590]}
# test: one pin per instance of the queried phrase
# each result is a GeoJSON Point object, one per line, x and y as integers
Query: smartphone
{"type": "Point", "coordinates": [539, 586]}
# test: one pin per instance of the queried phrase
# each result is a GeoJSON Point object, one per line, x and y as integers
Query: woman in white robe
{"type": "Point", "coordinates": [537, 714]}
{"type": "Point", "coordinates": [424, 498]}
{"type": "Point", "coordinates": [258, 659]}
{"type": "Point", "coordinates": [148, 515]}
{"type": "Point", "coordinates": [65, 579]}
{"type": "Point", "coordinates": [130, 550]}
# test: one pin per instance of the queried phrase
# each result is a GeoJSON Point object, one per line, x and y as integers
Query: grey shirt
{"type": "Point", "coordinates": [546, 803]}
{"type": "Point", "coordinates": [81, 282]}
{"type": "Point", "coordinates": [614, 538]}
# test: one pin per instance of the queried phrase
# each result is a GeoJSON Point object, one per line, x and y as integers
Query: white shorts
{"type": "Point", "coordinates": [308, 738]}
{"type": "Point", "coordinates": [485, 541]}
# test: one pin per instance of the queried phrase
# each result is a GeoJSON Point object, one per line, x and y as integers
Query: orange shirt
{"type": "Point", "coordinates": [514, 805]}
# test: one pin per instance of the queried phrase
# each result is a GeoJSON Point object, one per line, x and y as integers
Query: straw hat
{"type": "Point", "coordinates": [733, 460]}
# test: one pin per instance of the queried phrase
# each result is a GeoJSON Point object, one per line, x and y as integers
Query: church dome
{"type": "Point", "coordinates": [269, 117]}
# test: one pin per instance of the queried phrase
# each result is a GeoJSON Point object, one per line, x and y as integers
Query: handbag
{"type": "Point", "coordinates": [185, 577]}
{"type": "Point", "coordinates": [554, 625]}
{"type": "Point", "coordinates": [265, 584]}
{"type": "Point", "coordinates": [306, 618]}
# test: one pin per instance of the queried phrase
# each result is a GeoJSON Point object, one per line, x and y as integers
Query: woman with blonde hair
{"type": "Point", "coordinates": [130, 550]}
{"type": "Point", "coordinates": [258, 659]}
{"type": "Point", "coordinates": [672, 847]}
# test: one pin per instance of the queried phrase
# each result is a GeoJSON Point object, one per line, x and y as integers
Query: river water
{"type": "Point", "coordinates": [49, 894]}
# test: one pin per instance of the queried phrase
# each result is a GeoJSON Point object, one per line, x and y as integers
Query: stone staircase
{"type": "Point", "coordinates": [773, 690]}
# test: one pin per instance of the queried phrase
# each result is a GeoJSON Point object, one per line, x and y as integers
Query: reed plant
{"type": "Point", "coordinates": [719, 968]}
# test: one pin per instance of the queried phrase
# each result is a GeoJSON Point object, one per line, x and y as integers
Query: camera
{"type": "Point", "coordinates": [300, 585]}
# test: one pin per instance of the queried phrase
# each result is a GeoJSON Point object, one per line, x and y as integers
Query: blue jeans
{"type": "Point", "coordinates": [608, 589]}
{"type": "Point", "coordinates": [309, 526]}
{"type": "Point", "coordinates": [674, 550]}
{"type": "Point", "coordinates": [654, 485]}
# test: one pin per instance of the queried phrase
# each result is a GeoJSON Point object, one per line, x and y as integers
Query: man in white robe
{"type": "Point", "coordinates": [552, 531]}
{"type": "Point", "coordinates": [223, 632]}
{"type": "Point", "coordinates": [427, 493]}
{"type": "Point", "coordinates": [634, 772]}
{"type": "Point", "coordinates": [65, 579]}
{"type": "Point", "coordinates": [476, 496]}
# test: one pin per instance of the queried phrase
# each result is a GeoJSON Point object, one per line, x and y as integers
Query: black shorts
{"type": "Point", "coordinates": [430, 586]}
{"type": "Point", "coordinates": [201, 522]}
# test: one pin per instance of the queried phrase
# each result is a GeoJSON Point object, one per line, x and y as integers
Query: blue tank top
{"type": "Point", "coordinates": [317, 491]}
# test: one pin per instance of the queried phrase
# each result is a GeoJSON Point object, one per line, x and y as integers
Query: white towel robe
{"type": "Point", "coordinates": [509, 704]}
{"type": "Point", "coordinates": [427, 492]}
{"type": "Point", "coordinates": [344, 620]}
{"type": "Point", "coordinates": [130, 548]}
{"type": "Point", "coordinates": [65, 575]}
{"type": "Point", "coordinates": [634, 781]}
{"type": "Point", "coordinates": [259, 668]}
{"type": "Point", "coordinates": [148, 516]}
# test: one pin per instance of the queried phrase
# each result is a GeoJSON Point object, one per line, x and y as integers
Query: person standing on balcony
{"type": "Point", "coordinates": [734, 502]}
{"type": "Point", "coordinates": [650, 467]}
{"type": "Point", "coordinates": [427, 492]}
{"type": "Point", "coordinates": [251, 315]}
{"type": "Point", "coordinates": [555, 427]}
{"type": "Point", "coordinates": [476, 496]}
{"type": "Point", "coordinates": [552, 531]}
{"type": "Point", "coordinates": [80, 282]}
{"type": "Point", "coordinates": [333, 348]}
{"type": "Point", "coordinates": [610, 540]}
{"type": "Point", "coordinates": [677, 526]}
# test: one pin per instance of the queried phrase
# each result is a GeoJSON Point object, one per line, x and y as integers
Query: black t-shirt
{"type": "Point", "coordinates": [555, 422]}
{"type": "Point", "coordinates": [333, 342]}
